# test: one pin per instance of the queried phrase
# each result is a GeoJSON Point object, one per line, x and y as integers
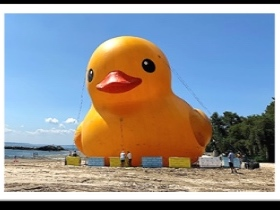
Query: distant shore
{"type": "Point", "coordinates": [42, 148]}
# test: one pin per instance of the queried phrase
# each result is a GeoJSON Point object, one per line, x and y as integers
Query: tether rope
{"type": "Point", "coordinates": [81, 103]}
{"type": "Point", "coordinates": [190, 90]}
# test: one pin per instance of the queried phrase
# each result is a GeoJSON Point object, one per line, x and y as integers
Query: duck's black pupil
{"type": "Point", "coordinates": [148, 65]}
{"type": "Point", "coordinates": [90, 75]}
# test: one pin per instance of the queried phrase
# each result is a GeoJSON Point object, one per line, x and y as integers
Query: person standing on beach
{"type": "Point", "coordinates": [231, 157]}
{"type": "Point", "coordinates": [122, 158]}
{"type": "Point", "coordinates": [129, 157]}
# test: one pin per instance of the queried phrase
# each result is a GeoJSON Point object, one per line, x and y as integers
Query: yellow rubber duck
{"type": "Point", "coordinates": [133, 107]}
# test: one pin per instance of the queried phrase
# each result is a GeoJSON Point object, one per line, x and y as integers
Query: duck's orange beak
{"type": "Point", "coordinates": [118, 82]}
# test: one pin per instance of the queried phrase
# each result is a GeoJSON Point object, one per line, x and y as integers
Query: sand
{"type": "Point", "coordinates": [40, 175]}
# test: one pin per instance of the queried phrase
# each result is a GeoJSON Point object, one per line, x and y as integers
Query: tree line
{"type": "Point", "coordinates": [253, 135]}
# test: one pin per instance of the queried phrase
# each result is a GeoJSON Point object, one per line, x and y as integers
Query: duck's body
{"type": "Point", "coordinates": [134, 108]}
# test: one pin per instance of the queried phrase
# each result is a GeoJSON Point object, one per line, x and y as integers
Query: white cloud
{"type": "Point", "coordinates": [41, 136]}
{"type": "Point", "coordinates": [71, 120]}
{"type": "Point", "coordinates": [51, 131]}
{"type": "Point", "coordinates": [42, 131]}
{"type": "Point", "coordinates": [51, 120]}
{"type": "Point", "coordinates": [8, 130]}
{"type": "Point", "coordinates": [61, 125]}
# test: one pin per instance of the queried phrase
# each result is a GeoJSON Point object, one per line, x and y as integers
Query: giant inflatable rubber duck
{"type": "Point", "coordinates": [134, 108]}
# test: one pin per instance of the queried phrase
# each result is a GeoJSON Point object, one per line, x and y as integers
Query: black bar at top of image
{"type": "Point", "coordinates": [151, 2]}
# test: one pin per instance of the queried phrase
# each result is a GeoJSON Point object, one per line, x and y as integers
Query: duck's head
{"type": "Point", "coordinates": [127, 69]}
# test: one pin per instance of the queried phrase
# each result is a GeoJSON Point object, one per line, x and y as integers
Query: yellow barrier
{"type": "Point", "coordinates": [179, 162]}
{"type": "Point", "coordinates": [116, 162]}
{"type": "Point", "coordinates": [71, 160]}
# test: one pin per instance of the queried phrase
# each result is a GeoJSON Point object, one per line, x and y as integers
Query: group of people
{"type": "Point", "coordinates": [123, 158]}
{"type": "Point", "coordinates": [231, 157]}
{"type": "Point", "coordinates": [73, 154]}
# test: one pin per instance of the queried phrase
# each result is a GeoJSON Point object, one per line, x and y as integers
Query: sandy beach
{"type": "Point", "coordinates": [49, 175]}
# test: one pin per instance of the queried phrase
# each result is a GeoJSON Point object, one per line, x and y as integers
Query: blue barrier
{"type": "Point", "coordinates": [152, 162]}
{"type": "Point", "coordinates": [95, 161]}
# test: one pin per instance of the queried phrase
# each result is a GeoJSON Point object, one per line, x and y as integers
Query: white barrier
{"type": "Point", "coordinates": [209, 162]}
{"type": "Point", "coordinates": [236, 162]}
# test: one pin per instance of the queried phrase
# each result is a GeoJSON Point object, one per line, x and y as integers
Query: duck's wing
{"type": "Point", "coordinates": [201, 126]}
{"type": "Point", "coordinates": [78, 138]}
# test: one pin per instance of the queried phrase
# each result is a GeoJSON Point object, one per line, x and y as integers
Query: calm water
{"type": "Point", "coordinates": [11, 153]}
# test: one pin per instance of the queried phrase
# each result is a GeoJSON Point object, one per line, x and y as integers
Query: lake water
{"type": "Point", "coordinates": [11, 153]}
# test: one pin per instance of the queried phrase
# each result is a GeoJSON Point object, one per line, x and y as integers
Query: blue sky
{"type": "Point", "coordinates": [220, 62]}
{"type": "Point", "coordinates": [223, 55]}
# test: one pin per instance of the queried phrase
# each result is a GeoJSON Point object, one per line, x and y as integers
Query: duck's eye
{"type": "Point", "coordinates": [90, 75]}
{"type": "Point", "coordinates": [148, 65]}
